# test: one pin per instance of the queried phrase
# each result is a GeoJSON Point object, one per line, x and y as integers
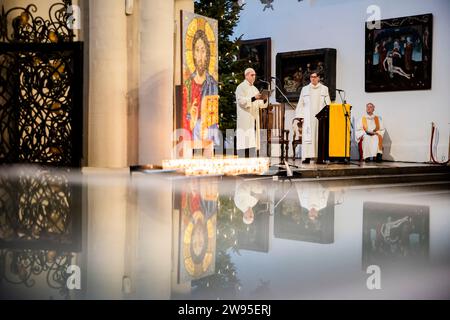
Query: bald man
{"type": "Point", "coordinates": [248, 103]}
{"type": "Point", "coordinates": [369, 134]}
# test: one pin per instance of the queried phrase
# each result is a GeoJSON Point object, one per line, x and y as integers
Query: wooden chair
{"type": "Point", "coordinates": [276, 133]}
{"type": "Point", "coordinates": [296, 140]}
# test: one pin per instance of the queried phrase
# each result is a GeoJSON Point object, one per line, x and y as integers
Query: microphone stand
{"type": "Point", "coordinates": [266, 114]}
{"type": "Point", "coordinates": [281, 92]}
{"type": "Point", "coordinates": [287, 100]}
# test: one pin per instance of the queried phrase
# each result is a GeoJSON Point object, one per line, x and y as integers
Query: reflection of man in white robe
{"type": "Point", "coordinates": [246, 196]}
{"type": "Point", "coordinates": [313, 98]}
{"type": "Point", "coordinates": [370, 132]}
{"type": "Point", "coordinates": [313, 197]}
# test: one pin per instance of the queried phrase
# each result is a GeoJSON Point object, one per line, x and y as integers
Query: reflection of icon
{"type": "Point", "coordinates": [394, 233]}
{"type": "Point", "coordinates": [198, 249]}
{"type": "Point", "coordinates": [198, 216]}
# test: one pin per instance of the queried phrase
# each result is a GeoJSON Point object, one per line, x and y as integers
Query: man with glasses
{"type": "Point", "coordinates": [248, 102]}
{"type": "Point", "coordinates": [313, 98]}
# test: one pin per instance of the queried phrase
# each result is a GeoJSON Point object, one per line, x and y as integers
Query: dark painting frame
{"type": "Point", "coordinates": [257, 54]}
{"type": "Point", "coordinates": [398, 55]}
{"type": "Point", "coordinates": [407, 240]}
{"type": "Point", "coordinates": [291, 79]}
{"type": "Point", "coordinates": [256, 236]}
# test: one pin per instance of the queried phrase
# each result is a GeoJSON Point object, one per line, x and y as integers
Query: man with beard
{"type": "Point", "coordinates": [196, 88]}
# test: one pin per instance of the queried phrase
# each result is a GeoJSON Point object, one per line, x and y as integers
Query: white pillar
{"type": "Point", "coordinates": [156, 81]}
{"type": "Point", "coordinates": [107, 84]}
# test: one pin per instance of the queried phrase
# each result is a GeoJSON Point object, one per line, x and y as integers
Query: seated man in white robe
{"type": "Point", "coordinates": [369, 135]}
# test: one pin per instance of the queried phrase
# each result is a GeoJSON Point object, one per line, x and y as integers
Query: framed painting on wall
{"type": "Point", "coordinates": [398, 54]}
{"type": "Point", "coordinates": [294, 69]}
{"type": "Point", "coordinates": [257, 53]}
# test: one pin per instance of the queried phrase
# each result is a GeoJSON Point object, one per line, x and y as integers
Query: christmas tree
{"type": "Point", "coordinates": [230, 67]}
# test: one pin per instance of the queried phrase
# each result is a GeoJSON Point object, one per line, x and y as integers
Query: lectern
{"type": "Point", "coordinates": [334, 133]}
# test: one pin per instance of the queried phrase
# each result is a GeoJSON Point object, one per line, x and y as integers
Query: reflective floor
{"type": "Point", "coordinates": [109, 234]}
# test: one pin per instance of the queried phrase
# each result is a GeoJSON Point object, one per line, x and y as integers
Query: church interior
{"type": "Point", "coordinates": [224, 150]}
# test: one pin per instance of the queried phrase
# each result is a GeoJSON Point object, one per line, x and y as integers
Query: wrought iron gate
{"type": "Point", "coordinates": [41, 69]}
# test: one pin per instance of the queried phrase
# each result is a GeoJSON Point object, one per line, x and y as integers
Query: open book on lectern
{"type": "Point", "coordinates": [265, 94]}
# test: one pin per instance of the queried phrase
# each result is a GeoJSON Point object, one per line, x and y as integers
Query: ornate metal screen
{"type": "Point", "coordinates": [41, 103]}
{"type": "Point", "coordinates": [40, 88]}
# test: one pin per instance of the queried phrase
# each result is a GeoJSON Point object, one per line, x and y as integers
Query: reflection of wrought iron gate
{"type": "Point", "coordinates": [41, 103]}
{"type": "Point", "coordinates": [40, 229]}
{"type": "Point", "coordinates": [40, 122]}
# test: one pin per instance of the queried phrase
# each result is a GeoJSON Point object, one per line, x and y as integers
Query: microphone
{"type": "Point", "coordinates": [340, 90]}
{"type": "Point", "coordinates": [264, 81]}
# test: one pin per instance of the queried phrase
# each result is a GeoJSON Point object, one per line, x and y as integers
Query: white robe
{"type": "Point", "coordinates": [312, 195]}
{"type": "Point", "coordinates": [243, 196]}
{"type": "Point", "coordinates": [312, 100]}
{"type": "Point", "coordinates": [247, 126]}
{"type": "Point", "coordinates": [370, 145]}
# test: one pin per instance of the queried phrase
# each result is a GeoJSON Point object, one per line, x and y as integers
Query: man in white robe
{"type": "Point", "coordinates": [246, 196]}
{"type": "Point", "coordinates": [314, 197]}
{"type": "Point", "coordinates": [369, 135]}
{"type": "Point", "coordinates": [313, 98]}
{"type": "Point", "coordinates": [248, 102]}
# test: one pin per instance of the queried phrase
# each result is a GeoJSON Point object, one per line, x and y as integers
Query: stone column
{"type": "Point", "coordinates": [156, 80]}
{"type": "Point", "coordinates": [107, 84]}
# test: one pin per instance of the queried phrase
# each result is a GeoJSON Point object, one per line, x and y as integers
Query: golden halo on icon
{"type": "Point", "coordinates": [203, 25]}
{"type": "Point", "coordinates": [198, 240]}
